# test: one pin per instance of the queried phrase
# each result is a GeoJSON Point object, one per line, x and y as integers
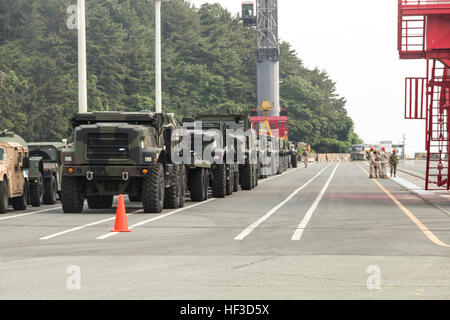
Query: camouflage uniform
{"type": "Point", "coordinates": [305, 156]}
{"type": "Point", "coordinates": [371, 158]}
{"type": "Point", "coordinates": [384, 161]}
{"type": "Point", "coordinates": [378, 173]}
{"type": "Point", "coordinates": [393, 162]}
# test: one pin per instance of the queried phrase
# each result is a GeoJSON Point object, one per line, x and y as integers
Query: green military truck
{"type": "Point", "coordinates": [45, 174]}
{"type": "Point", "coordinates": [14, 163]}
{"type": "Point", "coordinates": [122, 153]}
{"type": "Point", "coordinates": [247, 171]}
{"type": "Point", "coordinates": [208, 149]}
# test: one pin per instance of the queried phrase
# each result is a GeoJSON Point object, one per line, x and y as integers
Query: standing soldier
{"type": "Point", "coordinates": [393, 162]}
{"type": "Point", "coordinates": [384, 161]}
{"type": "Point", "coordinates": [371, 158]}
{"type": "Point", "coordinates": [377, 164]}
{"type": "Point", "coordinates": [305, 155]}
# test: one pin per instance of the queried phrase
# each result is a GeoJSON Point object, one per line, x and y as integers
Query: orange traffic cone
{"type": "Point", "coordinates": [121, 224]}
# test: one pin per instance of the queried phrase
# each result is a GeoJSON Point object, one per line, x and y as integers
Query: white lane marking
{"type": "Point", "coordinates": [301, 227]}
{"type": "Point", "coordinates": [30, 213]}
{"type": "Point", "coordinates": [279, 175]}
{"type": "Point", "coordinates": [255, 224]}
{"type": "Point", "coordinates": [110, 234]}
{"type": "Point", "coordinates": [83, 227]}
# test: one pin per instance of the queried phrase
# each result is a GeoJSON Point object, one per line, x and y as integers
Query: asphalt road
{"type": "Point", "coordinates": [416, 166]}
{"type": "Point", "coordinates": [319, 233]}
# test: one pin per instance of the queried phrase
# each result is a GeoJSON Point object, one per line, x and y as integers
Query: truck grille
{"type": "Point", "coordinates": [106, 146]}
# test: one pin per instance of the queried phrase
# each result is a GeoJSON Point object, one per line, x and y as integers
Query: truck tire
{"type": "Point", "coordinates": [50, 191]}
{"type": "Point", "coordinates": [219, 181]}
{"type": "Point", "coordinates": [135, 198]}
{"type": "Point", "coordinates": [197, 184]}
{"type": "Point", "coordinates": [72, 201]}
{"type": "Point", "coordinates": [206, 185]}
{"type": "Point", "coordinates": [172, 196]}
{"type": "Point", "coordinates": [100, 202]}
{"type": "Point", "coordinates": [37, 192]}
{"type": "Point", "coordinates": [236, 182]}
{"type": "Point", "coordinates": [20, 203]}
{"type": "Point", "coordinates": [246, 177]}
{"type": "Point", "coordinates": [294, 160]}
{"type": "Point", "coordinates": [153, 188]}
{"type": "Point", "coordinates": [3, 196]}
{"type": "Point", "coordinates": [183, 179]}
{"type": "Point", "coordinates": [230, 181]}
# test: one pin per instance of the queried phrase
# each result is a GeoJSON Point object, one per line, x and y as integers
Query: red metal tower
{"type": "Point", "coordinates": [424, 33]}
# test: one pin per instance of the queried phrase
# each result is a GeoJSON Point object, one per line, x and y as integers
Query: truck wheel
{"type": "Point", "coordinates": [236, 182]}
{"type": "Point", "coordinates": [246, 177]}
{"type": "Point", "coordinates": [206, 184]}
{"type": "Point", "coordinates": [3, 196]}
{"type": "Point", "coordinates": [100, 202]}
{"type": "Point", "coordinates": [50, 191]}
{"type": "Point", "coordinates": [197, 184]}
{"type": "Point", "coordinates": [294, 160]}
{"type": "Point", "coordinates": [219, 181]}
{"type": "Point", "coordinates": [230, 181]}
{"type": "Point", "coordinates": [37, 192]}
{"type": "Point", "coordinates": [183, 179]}
{"type": "Point", "coordinates": [135, 198]}
{"type": "Point", "coordinates": [72, 201]}
{"type": "Point", "coordinates": [20, 203]}
{"type": "Point", "coordinates": [153, 188]}
{"type": "Point", "coordinates": [172, 196]}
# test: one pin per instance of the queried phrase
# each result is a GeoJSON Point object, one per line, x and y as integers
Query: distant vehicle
{"type": "Point", "coordinates": [49, 172]}
{"type": "Point", "coordinates": [358, 152]}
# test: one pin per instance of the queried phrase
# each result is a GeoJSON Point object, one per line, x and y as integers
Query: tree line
{"type": "Point", "coordinates": [209, 65]}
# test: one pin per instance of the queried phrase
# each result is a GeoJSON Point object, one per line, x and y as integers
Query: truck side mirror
{"type": "Point", "coordinates": [26, 163]}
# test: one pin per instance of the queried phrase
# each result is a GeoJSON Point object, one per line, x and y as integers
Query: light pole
{"type": "Point", "coordinates": [82, 78]}
{"type": "Point", "coordinates": [158, 87]}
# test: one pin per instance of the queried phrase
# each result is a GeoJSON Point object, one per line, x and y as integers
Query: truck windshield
{"type": "Point", "coordinates": [47, 153]}
{"type": "Point", "coordinates": [358, 149]}
{"type": "Point", "coordinates": [2, 153]}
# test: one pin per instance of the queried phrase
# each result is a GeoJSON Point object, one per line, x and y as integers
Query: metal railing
{"type": "Point", "coordinates": [423, 2]}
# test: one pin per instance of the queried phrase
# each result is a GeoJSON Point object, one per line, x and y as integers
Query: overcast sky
{"type": "Point", "coordinates": [355, 41]}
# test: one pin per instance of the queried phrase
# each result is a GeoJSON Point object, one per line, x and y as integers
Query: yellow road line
{"type": "Point", "coordinates": [430, 235]}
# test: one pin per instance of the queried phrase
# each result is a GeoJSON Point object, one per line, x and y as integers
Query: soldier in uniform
{"type": "Point", "coordinates": [371, 158]}
{"type": "Point", "coordinates": [305, 155]}
{"type": "Point", "coordinates": [393, 162]}
{"type": "Point", "coordinates": [384, 161]}
{"type": "Point", "coordinates": [377, 164]}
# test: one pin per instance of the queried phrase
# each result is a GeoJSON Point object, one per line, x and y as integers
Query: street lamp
{"type": "Point", "coordinates": [158, 98]}
{"type": "Point", "coordinates": [82, 78]}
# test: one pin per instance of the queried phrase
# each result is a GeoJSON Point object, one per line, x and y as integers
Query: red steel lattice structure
{"type": "Point", "coordinates": [424, 33]}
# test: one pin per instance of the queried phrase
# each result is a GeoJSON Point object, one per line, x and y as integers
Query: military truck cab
{"type": "Point", "coordinates": [122, 153]}
{"type": "Point", "coordinates": [14, 164]}
{"type": "Point", "coordinates": [247, 171]}
{"type": "Point", "coordinates": [207, 164]}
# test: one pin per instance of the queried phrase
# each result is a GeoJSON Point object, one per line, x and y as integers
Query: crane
{"type": "Point", "coordinates": [268, 116]}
